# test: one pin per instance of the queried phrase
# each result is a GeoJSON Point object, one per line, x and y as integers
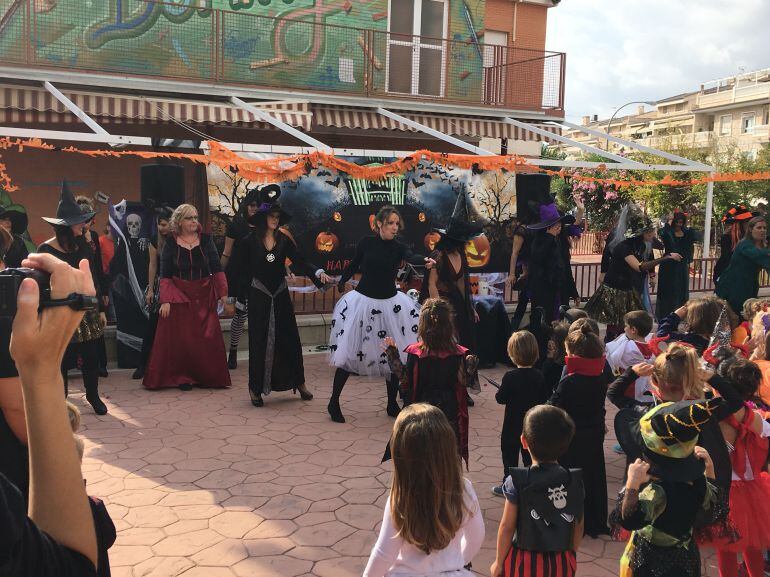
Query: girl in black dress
{"type": "Point", "coordinates": [15, 222]}
{"type": "Point", "coordinates": [547, 269]}
{"type": "Point", "coordinates": [71, 246]}
{"type": "Point", "coordinates": [373, 311]}
{"type": "Point", "coordinates": [237, 230]}
{"type": "Point", "coordinates": [275, 350]}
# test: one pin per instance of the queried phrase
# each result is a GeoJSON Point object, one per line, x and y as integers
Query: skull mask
{"type": "Point", "coordinates": [558, 496]}
{"type": "Point", "coordinates": [133, 225]}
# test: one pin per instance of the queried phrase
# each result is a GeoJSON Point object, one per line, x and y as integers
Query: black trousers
{"type": "Point", "coordinates": [510, 446]}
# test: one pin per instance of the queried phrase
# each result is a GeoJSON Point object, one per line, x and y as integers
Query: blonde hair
{"type": "Point", "coordinates": [750, 308]}
{"type": "Point", "coordinates": [675, 373]}
{"type": "Point", "coordinates": [750, 227]}
{"type": "Point", "coordinates": [180, 212]}
{"type": "Point", "coordinates": [523, 349]}
{"type": "Point", "coordinates": [80, 446]}
{"type": "Point", "coordinates": [73, 413]}
{"type": "Point", "coordinates": [427, 491]}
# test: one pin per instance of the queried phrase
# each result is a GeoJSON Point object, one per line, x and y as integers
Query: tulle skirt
{"type": "Point", "coordinates": [359, 325]}
{"type": "Point", "coordinates": [609, 305]}
{"type": "Point", "coordinates": [750, 513]}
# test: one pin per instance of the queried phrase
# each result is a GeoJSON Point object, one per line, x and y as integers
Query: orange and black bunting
{"type": "Point", "coordinates": [292, 167]}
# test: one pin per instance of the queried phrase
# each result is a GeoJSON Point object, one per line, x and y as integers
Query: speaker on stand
{"type": "Point", "coordinates": [532, 190]}
{"type": "Point", "coordinates": [162, 185]}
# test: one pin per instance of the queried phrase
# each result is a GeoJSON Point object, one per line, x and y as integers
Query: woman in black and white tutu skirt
{"type": "Point", "coordinates": [374, 310]}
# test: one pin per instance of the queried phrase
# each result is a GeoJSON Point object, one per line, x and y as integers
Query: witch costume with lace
{"type": "Point", "coordinates": [621, 291]}
{"type": "Point", "coordinates": [83, 350]}
{"type": "Point", "coordinates": [275, 350]}
{"type": "Point", "coordinates": [662, 512]}
{"type": "Point", "coordinates": [453, 285]}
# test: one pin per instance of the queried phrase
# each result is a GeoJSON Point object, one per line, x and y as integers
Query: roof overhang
{"type": "Point", "coordinates": [173, 89]}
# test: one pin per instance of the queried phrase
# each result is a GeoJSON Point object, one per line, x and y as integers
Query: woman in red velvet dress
{"type": "Point", "coordinates": [188, 348]}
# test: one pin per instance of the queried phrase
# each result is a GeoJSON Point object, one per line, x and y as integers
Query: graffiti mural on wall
{"type": "Point", "coordinates": [322, 44]}
{"type": "Point", "coordinates": [331, 212]}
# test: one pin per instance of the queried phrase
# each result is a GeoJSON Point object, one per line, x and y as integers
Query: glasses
{"type": "Point", "coordinates": [191, 218]}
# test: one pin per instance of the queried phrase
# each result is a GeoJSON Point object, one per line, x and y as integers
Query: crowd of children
{"type": "Point", "coordinates": [693, 403]}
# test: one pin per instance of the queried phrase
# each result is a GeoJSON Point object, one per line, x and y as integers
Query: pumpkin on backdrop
{"type": "Point", "coordinates": [431, 239]}
{"type": "Point", "coordinates": [372, 224]}
{"type": "Point", "coordinates": [478, 252]}
{"type": "Point", "coordinates": [326, 242]}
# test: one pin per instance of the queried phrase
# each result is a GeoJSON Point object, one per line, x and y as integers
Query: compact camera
{"type": "Point", "coordinates": [10, 280]}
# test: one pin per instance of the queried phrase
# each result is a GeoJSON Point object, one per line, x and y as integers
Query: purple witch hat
{"type": "Point", "coordinates": [549, 216]}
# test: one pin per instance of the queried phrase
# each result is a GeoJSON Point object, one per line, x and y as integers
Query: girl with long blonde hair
{"type": "Point", "coordinates": [432, 522]}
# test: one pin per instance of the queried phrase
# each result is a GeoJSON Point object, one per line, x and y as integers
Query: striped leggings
{"type": "Point", "coordinates": [236, 326]}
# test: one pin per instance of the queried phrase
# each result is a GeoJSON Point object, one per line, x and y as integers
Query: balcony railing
{"type": "Point", "coordinates": [181, 41]}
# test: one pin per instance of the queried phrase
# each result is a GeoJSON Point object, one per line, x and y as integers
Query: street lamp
{"type": "Point", "coordinates": [647, 102]}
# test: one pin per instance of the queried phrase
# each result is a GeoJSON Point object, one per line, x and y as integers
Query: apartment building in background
{"type": "Point", "coordinates": [324, 67]}
{"type": "Point", "coordinates": [724, 113]}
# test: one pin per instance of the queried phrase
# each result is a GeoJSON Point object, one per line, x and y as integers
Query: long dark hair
{"type": "Point", "coordinates": [67, 239]}
{"type": "Point", "coordinates": [259, 222]}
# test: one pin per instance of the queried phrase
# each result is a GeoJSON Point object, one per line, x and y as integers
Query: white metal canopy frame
{"type": "Point", "coordinates": [616, 162]}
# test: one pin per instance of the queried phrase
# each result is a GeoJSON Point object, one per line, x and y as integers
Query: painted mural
{"type": "Point", "coordinates": [331, 212]}
{"type": "Point", "coordinates": [310, 44]}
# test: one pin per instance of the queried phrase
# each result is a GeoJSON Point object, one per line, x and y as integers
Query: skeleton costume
{"type": "Point", "coordinates": [275, 350]}
{"type": "Point", "coordinates": [550, 505]}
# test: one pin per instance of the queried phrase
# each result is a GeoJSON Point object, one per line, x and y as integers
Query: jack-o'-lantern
{"type": "Point", "coordinates": [474, 282]}
{"type": "Point", "coordinates": [478, 251]}
{"type": "Point", "coordinates": [337, 217]}
{"type": "Point", "coordinates": [431, 239]}
{"type": "Point", "coordinates": [372, 222]}
{"type": "Point", "coordinates": [421, 217]}
{"type": "Point", "coordinates": [326, 242]}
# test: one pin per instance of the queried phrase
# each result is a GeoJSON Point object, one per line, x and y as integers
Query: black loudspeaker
{"type": "Point", "coordinates": [162, 185]}
{"type": "Point", "coordinates": [532, 190]}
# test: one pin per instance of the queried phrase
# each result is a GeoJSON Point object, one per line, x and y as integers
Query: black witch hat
{"type": "Point", "coordinates": [268, 199]}
{"type": "Point", "coordinates": [464, 224]}
{"type": "Point", "coordinates": [69, 212]}
{"type": "Point", "coordinates": [15, 213]}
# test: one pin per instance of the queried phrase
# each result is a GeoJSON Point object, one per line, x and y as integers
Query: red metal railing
{"type": "Point", "coordinates": [586, 278]}
{"type": "Point", "coordinates": [181, 41]}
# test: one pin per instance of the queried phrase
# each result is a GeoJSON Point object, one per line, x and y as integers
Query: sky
{"type": "Point", "coordinates": [624, 50]}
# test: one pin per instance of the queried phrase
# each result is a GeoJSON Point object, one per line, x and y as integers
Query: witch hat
{"type": "Point", "coordinates": [17, 215]}
{"type": "Point", "coordinates": [666, 436]}
{"type": "Point", "coordinates": [268, 198]}
{"type": "Point", "coordinates": [464, 224]}
{"type": "Point", "coordinates": [68, 213]}
{"type": "Point", "coordinates": [549, 215]}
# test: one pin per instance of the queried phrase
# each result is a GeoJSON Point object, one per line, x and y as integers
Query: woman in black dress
{"type": "Point", "coordinates": [373, 311]}
{"type": "Point", "coordinates": [152, 295]}
{"type": "Point", "coordinates": [674, 276]}
{"type": "Point", "coordinates": [275, 350]}
{"type": "Point", "coordinates": [237, 230]}
{"type": "Point", "coordinates": [547, 269]}
{"type": "Point", "coordinates": [71, 246]}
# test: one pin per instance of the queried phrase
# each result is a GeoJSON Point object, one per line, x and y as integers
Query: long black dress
{"type": "Point", "coordinates": [275, 350]}
{"type": "Point", "coordinates": [673, 276]}
{"type": "Point", "coordinates": [17, 252]}
{"type": "Point", "coordinates": [546, 274]}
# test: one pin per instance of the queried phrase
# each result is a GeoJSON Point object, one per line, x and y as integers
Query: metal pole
{"type": "Point", "coordinates": [707, 219]}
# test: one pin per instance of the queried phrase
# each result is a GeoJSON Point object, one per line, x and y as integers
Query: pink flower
{"type": "Point", "coordinates": [611, 195]}
{"type": "Point", "coordinates": [592, 187]}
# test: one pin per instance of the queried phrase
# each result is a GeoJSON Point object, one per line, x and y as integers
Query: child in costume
{"type": "Point", "coordinates": [438, 370]}
{"type": "Point", "coordinates": [521, 389]}
{"type": "Point", "coordinates": [746, 435]}
{"type": "Point", "coordinates": [542, 522]}
{"type": "Point", "coordinates": [700, 315]}
{"type": "Point", "coordinates": [669, 483]}
{"type": "Point", "coordinates": [427, 486]}
{"type": "Point", "coordinates": [553, 367]}
{"type": "Point", "coordinates": [582, 393]}
{"type": "Point", "coordinates": [624, 352]}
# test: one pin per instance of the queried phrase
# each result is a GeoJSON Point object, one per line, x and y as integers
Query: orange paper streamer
{"type": "Point", "coordinates": [294, 166]}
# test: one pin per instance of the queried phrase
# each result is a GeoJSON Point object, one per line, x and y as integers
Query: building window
{"type": "Point", "coordinates": [679, 107]}
{"type": "Point", "coordinates": [747, 123]}
{"type": "Point", "coordinates": [725, 124]}
{"type": "Point", "coordinates": [766, 119]}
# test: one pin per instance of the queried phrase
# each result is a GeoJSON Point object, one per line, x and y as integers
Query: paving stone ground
{"type": "Point", "coordinates": [202, 484]}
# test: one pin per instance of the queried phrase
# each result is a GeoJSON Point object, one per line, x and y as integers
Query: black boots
{"type": "Point", "coordinates": [340, 378]}
{"type": "Point", "coordinates": [393, 409]}
{"type": "Point", "coordinates": [91, 384]}
{"type": "Point", "coordinates": [232, 359]}
{"type": "Point", "coordinates": [138, 373]}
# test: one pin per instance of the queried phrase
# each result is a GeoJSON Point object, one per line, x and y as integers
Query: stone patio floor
{"type": "Point", "coordinates": [202, 484]}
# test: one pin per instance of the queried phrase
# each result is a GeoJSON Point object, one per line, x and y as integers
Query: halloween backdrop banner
{"type": "Point", "coordinates": [331, 211]}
